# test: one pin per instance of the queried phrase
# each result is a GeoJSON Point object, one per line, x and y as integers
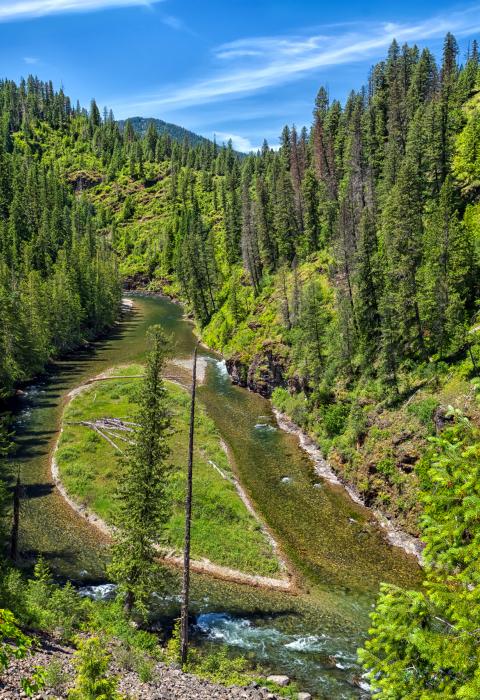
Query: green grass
{"type": "Point", "coordinates": [223, 531]}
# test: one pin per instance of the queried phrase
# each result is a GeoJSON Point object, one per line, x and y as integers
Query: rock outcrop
{"type": "Point", "coordinates": [266, 371]}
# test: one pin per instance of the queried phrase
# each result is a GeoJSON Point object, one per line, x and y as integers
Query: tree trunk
{"type": "Point", "coordinates": [16, 521]}
{"type": "Point", "coordinates": [129, 603]}
{"type": "Point", "coordinates": [188, 519]}
{"type": "Point", "coordinates": [475, 368]}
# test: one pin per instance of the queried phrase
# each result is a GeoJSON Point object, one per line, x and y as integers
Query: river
{"type": "Point", "coordinates": [334, 546]}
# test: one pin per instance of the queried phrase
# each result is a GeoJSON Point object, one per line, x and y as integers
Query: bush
{"type": "Point", "coordinates": [424, 410]}
{"type": "Point", "coordinates": [280, 398]}
{"type": "Point", "coordinates": [217, 666]}
{"type": "Point", "coordinates": [334, 418]}
{"type": "Point", "coordinates": [53, 608]}
{"type": "Point", "coordinates": [55, 676]}
{"type": "Point", "coordinates": [294, 405]}
{"type": "Point", "coordinates": [91, 665]}
{"type": "Point", "coordinates": [109, 620]}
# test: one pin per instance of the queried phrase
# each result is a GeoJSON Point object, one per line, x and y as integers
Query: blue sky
{"type": "Point", "coordinates": [239, 69]}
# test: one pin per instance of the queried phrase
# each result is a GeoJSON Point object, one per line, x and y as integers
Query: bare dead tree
{"type": "Point", "coordinates": [16, 519]}
{"type": "Point", "coordinates": [188, 520]}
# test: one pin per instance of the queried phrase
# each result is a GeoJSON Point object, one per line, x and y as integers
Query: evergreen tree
{"type": "Point", "coordinates": [143, 510]}
{"type": "Point", "coordinates": [447, 274]}
{"type": "Point", "coordinates": [402, 244]}
{"type": "Point", "coordinates": [425, 643]}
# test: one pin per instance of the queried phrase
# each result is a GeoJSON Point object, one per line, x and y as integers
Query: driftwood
{"type": "Point", "coordinates": [124, 376]}
{"type": "Point", "coordinates": [109, 428]}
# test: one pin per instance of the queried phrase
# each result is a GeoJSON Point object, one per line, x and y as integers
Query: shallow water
{"type": "Point", "coordinates": [334, 546]}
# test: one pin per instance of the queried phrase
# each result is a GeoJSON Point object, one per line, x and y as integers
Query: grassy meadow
{"type": "Point", "coordinates": [223, 530]}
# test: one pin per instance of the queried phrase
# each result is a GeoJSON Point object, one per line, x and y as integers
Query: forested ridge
{"type": "Point", "coordinates": [178, 133]}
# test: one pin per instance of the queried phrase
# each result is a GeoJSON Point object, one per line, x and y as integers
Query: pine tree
{"type": "Point", "coordinates": [425, 643]}
{"type": "Point", "coordinates": [311, 232]}
{"type": "Point", "coordinates": [447, 274]}
{"type": "Point", "coordinates": [250, 250]}
{"type": "Point", "coordinates": [310, 336]}
{"type": "Point", "coordinates": [143, 510]}
{"type": "Point", "coordinates": [368, 279]}
{"type": "Point", "coordinates": [402, 244]}
{"type": "Point", "coordinates": [92, 681]}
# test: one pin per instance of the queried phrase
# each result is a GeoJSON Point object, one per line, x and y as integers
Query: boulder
{"type": "Point", "coordinates": [304, 696]}
{"type": "Point", "coordinates": [442, 417]}
{"type": "Point", "coordinates": [282, 681]}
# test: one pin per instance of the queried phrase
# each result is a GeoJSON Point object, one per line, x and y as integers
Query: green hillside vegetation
{"type": "Point", "coordinates": [223, 531]}
{"type": "Point", "coordinates": [177, 133]}
{"type": "Point", "coordinates": [342, 269]}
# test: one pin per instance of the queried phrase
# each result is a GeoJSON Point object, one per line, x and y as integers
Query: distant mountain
{"type": "Point", "coordinates": [140, 126]}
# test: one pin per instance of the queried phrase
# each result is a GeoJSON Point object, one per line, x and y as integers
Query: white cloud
{"type": "Point", "coordinates": [239, 143]}
{"type": "Point", "coordinates": [30, 60]}
{"type": "Point", "coordinates": [23, 9]}
{"type": "Point", "coordinates": [246, 66]}
{"type": "Point", "coordinates": [173, 22]}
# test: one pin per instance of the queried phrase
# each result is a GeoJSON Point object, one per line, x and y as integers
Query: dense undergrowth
{"type": "Point", "coordinates": [107, 641]}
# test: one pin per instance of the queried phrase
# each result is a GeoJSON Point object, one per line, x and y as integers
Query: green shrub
{"type": "Point", "coordinates": [334, 418]}
{"type": "Point", "coordinates": [386, 466]}
{"type": "Point", "coordinates": [217, 666]}
{"type": "Point", "coordinates": [56, 677]}
{"type": "Point", "coordinates": [280, 398]}
{"type": "Point", "coordinates": [91, 665]}
{"type": "Point", "coordinates": [13, 643]}
{"type": "Point", "coordinates": [294, 405]}
{"type": "Point", "coordinates": [424, 410]}
{"type": "Point", "coordinates": [108, 619]}
{"type": "Point", "coordinates": [54, 608]}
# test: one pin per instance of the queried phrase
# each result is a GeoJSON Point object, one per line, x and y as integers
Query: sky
{"type": "Point", "coordinates": [238, 69]}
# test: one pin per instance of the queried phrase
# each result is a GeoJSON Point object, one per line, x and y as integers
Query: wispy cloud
{"type": "Point", "coordinates": [176, 23]}
{"type": "Point", "coordinates": [246, 66]}
{"type": "Point", "coordinates": [173, 22]}
{"type": "Point", "coordinates": [11, 10]}
{"type": "Point", "coordinates": [30, 60]}
{"type": "Point", "coordinates": [240, 143]}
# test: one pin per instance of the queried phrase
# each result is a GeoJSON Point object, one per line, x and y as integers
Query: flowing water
{"type": "Point", "coordinates": [333, 545]}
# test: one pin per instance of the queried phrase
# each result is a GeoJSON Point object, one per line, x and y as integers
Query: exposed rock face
{"type": "Point", "coordinates": [237, 370]}
{"type": "Point", "coordinates": [266, 371]}
{"type": "Point", "coordinates": [84, 180]}
{"type": "Point", "coordinates": [136, 281]}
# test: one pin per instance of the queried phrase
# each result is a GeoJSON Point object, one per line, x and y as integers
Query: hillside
{"type": "Point", "coordinates": [178, 133]}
